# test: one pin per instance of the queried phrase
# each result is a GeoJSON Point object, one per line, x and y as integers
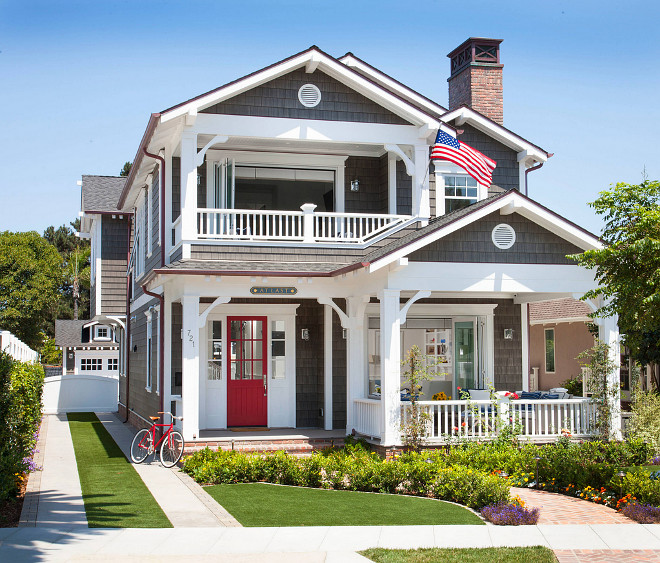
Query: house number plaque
{"type": "Point", "coordinates": [273, 290]}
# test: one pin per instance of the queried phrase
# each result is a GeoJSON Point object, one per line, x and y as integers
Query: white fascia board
{"type": "Point", "coordinates": [326, 64]}
{"type": "Point", "coordinates": [306, 129]}
{"type": "Point", "coordinates": [467, 115]}
{"type": "Point", "coordinates": [561, 320]}
{"type": "Point", "coordinates": [493, 278]}
{"type": "Point", "coordinates": [393, 84]}
{"type": "Point", "coordinates": [524, 206]}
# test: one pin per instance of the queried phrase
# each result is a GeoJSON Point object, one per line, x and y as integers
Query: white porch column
{"type": "Point", "coordinates": [188, 187]}
{"type": "Point", "coordinates": [190, 366]}
{"type": "Point", "coordinates": [390, 366]}
{"type": "Point", "coordinates": [355, 377]}
{"type": "Point", "coordinates": [608, 332]}
{"type": "Point", "coordinates": [420, 183]}
{"type": "Point", "coordinates": [167, 202]}
{"type": "Point", "coordinates": [327, 367]}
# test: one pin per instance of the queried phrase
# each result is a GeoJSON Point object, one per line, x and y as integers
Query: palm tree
{"type": "Point", "coordinates": [77, 273]}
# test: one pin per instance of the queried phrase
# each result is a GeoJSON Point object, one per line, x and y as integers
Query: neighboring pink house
{"type": "Point", "coordinates": [558, 333]}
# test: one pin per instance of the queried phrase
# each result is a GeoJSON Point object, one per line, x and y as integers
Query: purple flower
{"type": "Point", "coordinates": [642, 513]}
{"type": "Point", "coordinates": [510, 514]}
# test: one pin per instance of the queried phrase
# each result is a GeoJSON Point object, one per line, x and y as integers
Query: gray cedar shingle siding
{"type": "Point", "coordinates": [92, 300]}
{"type": "Point", "coordinates": [506, 173]}
{"type": "Point", "coordinates": [176, 187]}
{"type": "Point", "coordinates": [473, 243]}
{"type": "Point", "coordinates": [114, 249]}
{"type": "Point", "coordinates": [309, 365]}
{"type": "Point", "coordinates": [153, 261]}
{"type": "Point", "coordinates": [403, 190]}
{"type": "Point", "coordinates": [201, 187]}
{"type": "Point", "coordinates": [338, 369]}
{"type": "Point", "coordinates": [279, 98]}
{"type": "Point", "coordinates": [372, 192]}
{"type": "Point", "coordinates": [143, 402]}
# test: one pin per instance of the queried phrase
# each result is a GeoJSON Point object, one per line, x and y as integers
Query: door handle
{"type": "Point", "coordinates": [265, 390]}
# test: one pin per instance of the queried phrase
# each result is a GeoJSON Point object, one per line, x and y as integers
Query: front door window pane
{"type": "Point", "coordinates": [214, 371]}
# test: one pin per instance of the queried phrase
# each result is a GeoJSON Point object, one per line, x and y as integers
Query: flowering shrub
{"type": "Point", "coordinates": [356, 469]}
{"type": "Point", "coordinates": [655, 460]}
{"type": "Point", "coordinates": [510, 514]}
{"type": "Point", "coordinates": [20, 413]}
{"type": "Point", "coordinates": [442, 396]}
{"type": "Point", "coordinates": [642, 513]}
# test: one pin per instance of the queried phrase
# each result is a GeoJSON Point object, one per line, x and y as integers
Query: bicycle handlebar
{"type": "Point", "coordinates": [174, 417]}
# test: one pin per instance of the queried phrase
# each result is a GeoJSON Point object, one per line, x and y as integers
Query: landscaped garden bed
{"type": "Point", "coordinates": [468, 555]}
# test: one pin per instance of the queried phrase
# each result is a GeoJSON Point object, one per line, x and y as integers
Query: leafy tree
{"type": "Point", "coordinates": [50, 353]}
{"type": "Point", "coordinates": [628, 267]}
{"type": "Point", "coordinates": [126, 169]}
{"type": "Point", "coordinates": [77, 273]}
{"type": "Point", "coordinates": [30, 279]}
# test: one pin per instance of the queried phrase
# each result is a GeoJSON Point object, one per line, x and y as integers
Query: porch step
{"type": "Point", "coordinates": [299, 447]}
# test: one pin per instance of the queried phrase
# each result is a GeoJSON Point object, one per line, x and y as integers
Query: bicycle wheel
{"type": "Point", "coordinates": [172, 449]}
{"type": "Point", "coordinates": [141, 446]}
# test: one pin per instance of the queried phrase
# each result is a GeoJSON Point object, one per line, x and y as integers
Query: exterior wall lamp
{"type": "Point", "coordinates": [355, 185]}
{"type": "Point", "coordinates": [304, 334]}
{"type": "Point", "coordinates": [508, 334]}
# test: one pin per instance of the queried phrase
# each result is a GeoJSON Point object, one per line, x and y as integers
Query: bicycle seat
{"type": "Point", "coordinates": [154, 417]}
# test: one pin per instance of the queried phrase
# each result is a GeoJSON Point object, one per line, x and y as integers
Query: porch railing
{"type": "Point", "coordinates": [532, 419]}
{"type": "Point", "coordinates": [295, 226]}
{"type": "Point", "coordinates": [367, 417]}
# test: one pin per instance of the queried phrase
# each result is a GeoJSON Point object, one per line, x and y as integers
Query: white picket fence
{"type": "Point", "coordinates": [16, 348]}
{"type": "Point", "coordinates": [536, 420]}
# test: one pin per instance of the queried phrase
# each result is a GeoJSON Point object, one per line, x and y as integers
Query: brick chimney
{"type": "Point", "coordinates": [476, 77]}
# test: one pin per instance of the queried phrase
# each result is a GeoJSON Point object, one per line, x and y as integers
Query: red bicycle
{"type": "Point", "coordinates": [171, 442]}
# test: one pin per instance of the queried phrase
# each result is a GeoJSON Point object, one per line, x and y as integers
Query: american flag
{"type": "Point", "coordinates": [476, 164]}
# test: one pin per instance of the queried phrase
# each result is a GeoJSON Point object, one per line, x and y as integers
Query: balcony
{"type": "Point", "coordinates": [305, 226]}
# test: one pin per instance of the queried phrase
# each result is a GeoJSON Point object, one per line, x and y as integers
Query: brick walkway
{"type": "Point", "coordinates": [31, 500]}
{"type": "Point", "coordinates": [607, 556]}
{"type": "Point", "coordinates": [562, 509]}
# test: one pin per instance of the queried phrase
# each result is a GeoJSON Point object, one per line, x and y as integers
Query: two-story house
{"type": "Point", "coordinates": [292, 239]}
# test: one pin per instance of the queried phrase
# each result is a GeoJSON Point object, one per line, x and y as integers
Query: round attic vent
{"type": "Point", "coordinates": [503, 236]}
{"type": "Point", "coordinates": [309, 95]}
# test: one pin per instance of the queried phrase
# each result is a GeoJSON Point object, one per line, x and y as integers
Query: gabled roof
{"type": "Point", "coordinates": [507, 202]}
{"type": "Point", "coordinates": [69, 333]}
{"type": "Point", "coordinates": [101, 193]}
{"type": "Point", "coordinates": [465, 114]}
{"type": "Point", "coordinates": [392, 84]}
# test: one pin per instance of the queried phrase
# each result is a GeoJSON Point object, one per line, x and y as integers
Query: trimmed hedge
{"type": "Point", "coordinates": [21, 386]}
{"type": "Point", "coordinates": [354, 469]}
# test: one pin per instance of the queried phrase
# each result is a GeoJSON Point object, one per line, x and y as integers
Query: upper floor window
{"type": "Point", "coordinates": [102, 333]}
{"type": "Point", "coordinates": [460, 191]}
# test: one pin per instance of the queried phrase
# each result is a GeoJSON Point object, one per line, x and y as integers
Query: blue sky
{"type": "Point", "coordinates": [78, 81]}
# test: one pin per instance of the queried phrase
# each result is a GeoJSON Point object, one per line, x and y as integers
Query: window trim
{"type": "Point", "coordinates": [149, 350]}
{"type": "Point", "coordinates": [98, 328]}
{"type": "Point", "coordinates": [445, 169]}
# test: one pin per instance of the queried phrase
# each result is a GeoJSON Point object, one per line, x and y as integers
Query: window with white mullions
{"type": "Point", "coordinates": [215, 351]}
{"type": "Point", "coordinates": [460, 191]}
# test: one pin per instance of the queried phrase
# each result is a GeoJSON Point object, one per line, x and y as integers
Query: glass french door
{"type": "Point", "coordinates": [247, 381]}
{"type": "Point", "coordinates": [464, 356]}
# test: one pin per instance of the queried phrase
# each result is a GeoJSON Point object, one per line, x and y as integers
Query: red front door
{"type": "Point", "coordinates": [246, 380]}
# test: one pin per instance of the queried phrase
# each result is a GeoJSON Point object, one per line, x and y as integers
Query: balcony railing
{"type": "Point", "coordinates": [295, 226]}
{"type": "Point", "coordinates": [536, 420]}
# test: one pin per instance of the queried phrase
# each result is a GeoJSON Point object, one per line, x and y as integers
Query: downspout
{"type": "Point", "coordinates": [161, 297]}
{"type": "Point", "coordinates": [127, 330]}
{"type": "Point", "coordinates": [532, 170]}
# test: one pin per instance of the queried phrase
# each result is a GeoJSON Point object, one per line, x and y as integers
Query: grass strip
{"type": "Point", "coordinates": [536, 554]}
{"type": "Point", "coordinates": [264, 504]}
{"type": "Point", "coordinates": [114, 494]}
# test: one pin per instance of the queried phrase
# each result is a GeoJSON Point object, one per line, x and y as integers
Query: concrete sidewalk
{"type": "Point", "coordinates": [55, 497]}
{"type": "Point", "coordinates": [184, 502]}
{"type": "Point", "coordinates": [313, 544]}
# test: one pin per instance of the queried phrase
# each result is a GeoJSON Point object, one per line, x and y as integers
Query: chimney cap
{"type": "Point", "coordinates": [475, 50]}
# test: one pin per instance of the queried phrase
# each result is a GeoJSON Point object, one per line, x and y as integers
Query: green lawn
{"type": "Point", "coordinates": [263, 504]}
{"type": "Point", "coordinates": [471, 555]}
{"type": "Point", "coordinates": [114, 494]}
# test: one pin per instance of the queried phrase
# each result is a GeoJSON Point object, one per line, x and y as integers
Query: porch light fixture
{"type": "Point", "coordinates": [304, 334]}
{"type": "Point", "coordinates": [355, 185]}
{"type": "Point", "coordinates": [508, 334]}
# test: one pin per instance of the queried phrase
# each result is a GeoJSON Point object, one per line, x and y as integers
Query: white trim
{"type": "Point", "coordinates": [97, 262]}
{"type": "Point", "coordinates": [143, 300]}
{"type": "Point", "coordinates": [150, 346]}
{"type": "Point", "coordinates": [524, 338]}
{"type": "Point", "coordinates": [527, 208]}
{"type": "Point", "coordinates": [149, 201]}
{"type": "Point", "coordinates": [467, 115]}
{"type": "Point", "coordinates": [322, 62]}
{"type": "Point", "coordinates": [562, 320]}
{"type": "Point", "coordinates": [288, 129]}
{"type": "Point", "coordinates": [433, 310]}
{"type": "Point", "coordinates": [391, 84]}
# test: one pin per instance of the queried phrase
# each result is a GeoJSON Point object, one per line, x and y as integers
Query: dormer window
{"type": "Point", "coordinates": [454, 189]}
{"type": "Point", "coordinates": [102, 333]}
